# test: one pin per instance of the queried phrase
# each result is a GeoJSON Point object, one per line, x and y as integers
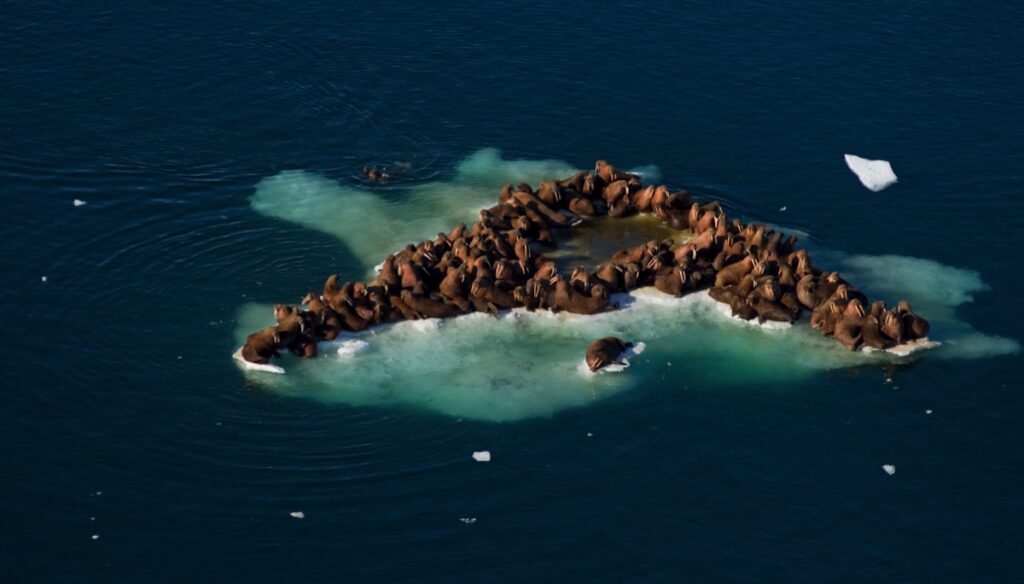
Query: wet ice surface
{"type": "Point", "coordinates": [523, 365]}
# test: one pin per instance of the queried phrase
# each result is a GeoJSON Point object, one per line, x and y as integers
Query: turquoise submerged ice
{"type": "Point", "coordinates": [524, 364]}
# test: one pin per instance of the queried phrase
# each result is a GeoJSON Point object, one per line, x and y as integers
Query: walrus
{"type": "Point", "coordinates": [261, 346]}
{"type": "Point", "coordinates": [581, 280]}
{"type": "Point", "coordinates": [825, 316]}
{"type": "Point", "coordinates": [596, 302]}
{"type": "Point", "coordinates": [914, 326]}
{"type": "Point", "coordinates": [892, 325]}
{"type": "Point", "coordinates": [848, 330]}
{"type": "Point", "coordinates": [642, 199]}
{"type": "Point", "coordinates": [737, 304]}
{"type": "Point", "coordinates": [733, 273]}
{"type": "Point", "coordinates": [606, 351]}
{"type": "Point", "coordinates": [611, 275]}
{"type": "Point", "coordinates": [609, 173]}
{"type": "Point", "coordinates": [484, 289]}
{"type": "Point", "coordinates": [805, 292]}
{"type": "Point", "coordinates": [550, 193]}
{"type": "Point", "coordinates": [550, 215]}
{"type": "Point", "coordinates": [672, 280]}
{"type": "Point", "coordinates": [615, 191]}
{"type": "Point", "coordinates": [424, 304]}
{"type": "Point", "coordinates": [767, 310]}
{"type": "Point", "coordinates": [620, 208]}
{"type": "Point", "coordinates": [376, 175]}
{"type": "Point", "coordinates": [294, 334]}
{"type": "Point", "coordinates": [328, 324]}
{"type": "Point", "coordinates": [583, 206]}
{"type": "Point", "coordinates": [871, 334]}
{"type": "Point", "coordinates": [406, 311]}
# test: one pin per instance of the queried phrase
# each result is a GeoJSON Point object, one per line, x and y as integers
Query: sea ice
{"type": "Point", "coordinates": [468, 520]}
{"type": "Point", "coordinates": [482, 456]}
{"type": "Point", "coordinates": [79, 202]}
{"type": "Point", "coordinates": [890, 469]}
{"type": "Point", "coordinates": [237, 355]}
{"type": "Point", "coordinates": [351, 347]}
{"type": "Point", "coordinates": [298, 514]}
{"type": "Point", "coordinates": [873, 174]}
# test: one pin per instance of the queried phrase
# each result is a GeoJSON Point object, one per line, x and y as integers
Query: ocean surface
{"type": "Point", "coordinates": [218, 151]}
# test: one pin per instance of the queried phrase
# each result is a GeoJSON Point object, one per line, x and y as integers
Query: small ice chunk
{"type": "Point", "coordinates": [95, 536]}
{"type": "Point", "coordinates": [590, 434]}
{"type": "Point", "coordinates": [298, 514]}
{"type": "Point", "coordinates": [873, 174]}
{"type": "Point", "coordinates": [351, 347]}
{"type": "Point", "coordinates": [79, 202]}
{"type": "Point", "coordinates": [43, 278]}
{"type": "Point", "coordinates": [782, 208]}
{"type": "Point", "coordinates": [482, 456]}
{"type": "Point", "coordinates": [889, 469]}
{"type": "Point", "coordinates": [468, 520]}
{"type": "Point", "coordinates": [928, 412]}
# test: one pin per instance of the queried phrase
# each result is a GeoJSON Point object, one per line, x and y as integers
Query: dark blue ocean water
{"type": "Point", "coordinates": [123, 416]}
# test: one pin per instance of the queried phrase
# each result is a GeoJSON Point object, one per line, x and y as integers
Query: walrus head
{"type": "Point", "coordinates": [770, 289]}
{"type": "Point", "coordinates": [854, 308]}
{"type": "Point", "coordinates": [579, 274]}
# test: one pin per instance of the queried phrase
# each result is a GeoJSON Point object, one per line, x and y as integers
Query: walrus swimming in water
{"type": "Point", "coordinates": [605, 352]}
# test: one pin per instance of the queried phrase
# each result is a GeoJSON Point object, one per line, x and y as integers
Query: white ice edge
{"type": "Point", "coordinates": [351, 345]}
{"type": "Point", "coordinates": [256, 366]}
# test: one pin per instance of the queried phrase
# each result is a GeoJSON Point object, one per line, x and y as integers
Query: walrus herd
{"type": "Point", "coordinates": [495, 265]}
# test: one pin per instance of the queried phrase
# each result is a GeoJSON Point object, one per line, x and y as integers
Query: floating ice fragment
{"type": "Point", "coordinates": [79, 202]}
{"type": "Point", "coordinates": [782, 208]}
{"type": "Point", "coordinates": [43, 278]}
{"type": "Point", "coordinates": [590, 434]}
{"type": "Point", "coordinates": [298, 514]}
{"type": "Point", "coordinates": [468, 520]}
{"type": "Point", "coordinates": [95, 536]}
{"type": "Point", "coordinates": [350, 347]}
{"type": "Point", "coordinates": [890, 469]}
{"type": "Point", "coordinates": [873, 174]}
{"type": "Point", "coordinates": [929, 412]}
{"type": "Point", "coordinates": [482, 456]}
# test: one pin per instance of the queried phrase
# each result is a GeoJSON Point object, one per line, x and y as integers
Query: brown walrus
{"type": "Point", "coordinates": [606, 351]}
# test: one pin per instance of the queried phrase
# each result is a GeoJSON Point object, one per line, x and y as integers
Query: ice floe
{"type": "Point", "coordinates": [873, 174]}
